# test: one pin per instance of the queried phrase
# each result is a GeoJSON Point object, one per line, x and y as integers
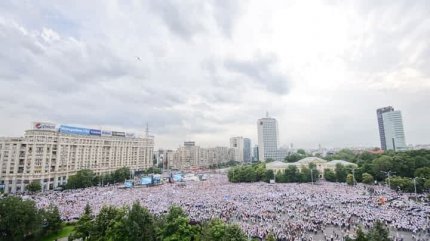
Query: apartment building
{"type": "Point", "coordinates": [50, 155]}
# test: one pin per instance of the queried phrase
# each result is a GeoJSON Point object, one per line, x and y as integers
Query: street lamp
{"type": "Point", "coordinates": [312, 176]}
{"type": "Point", "coordinates": [415, 187]}
{"type": "Point", "coordinates": [354, 182]}
{"type": "Point", "coordinates": [388, 175]}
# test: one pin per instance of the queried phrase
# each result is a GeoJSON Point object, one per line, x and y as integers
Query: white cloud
{"type": "Point", "coordinates": [207, 70]}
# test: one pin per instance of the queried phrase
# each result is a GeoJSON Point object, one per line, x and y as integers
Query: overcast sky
{"type": "Point", "coordinates": [207, 70]}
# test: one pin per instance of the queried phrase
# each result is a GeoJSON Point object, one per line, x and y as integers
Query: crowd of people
{"type": "Point", "coordinates": [324, 211]}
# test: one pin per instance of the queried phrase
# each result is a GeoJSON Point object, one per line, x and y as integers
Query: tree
{"type": "Point", "coordinates": [329, 175]}
{"type": "Point", "coordinates": [84, 225]}
{"type": "Point", "coordinates": [234, 233]}
{"type": "Point", "coordinates": [350, 179]}
{"type": "Point", "coordinates": [341, 173]}
{"type": "Point", "coordinates": [344, 154]}
{"type": "Point", "coordinates": [105, 221]}
{"type": "Point", "coordinates": [121, 174]}
{"type": "Point", "coordinates": [360, 236]}
{"type": "Point", "coordinates": [269, 174]}
{"type": "Point", "coordinates": [19, 219]}
{"type": "Point", "coordinates": [51, 219]}
{"type": "Point", "coordinates": [379, 232]}
{"type": "Point", "coordinates": [83, 178]}
{"type": "Point", "coordinates": [217, 230]}
{"type": "Point", "coordinates": [292, 174]}
{"type": "Point", "coordinates": [270, 237]}
{"type": "Point", "coordinates": [305, 174]}
{"type": "Point", "coordinates": [427, 185]}
{"type": "Point", "coordinates": [139, 224]}
{"type": "Point", "coordinates": [34, 186]}
{"type": "Point", "coordinates": [214, 230]}
{"type": "Point", "coordinates": [423, 172]}
{"type": "Point", "coordinates": [380, 165]}
{"type": "Point", "coordinates": [403, 183]}
{"type": "Point", "coordinates": [177, 226]}
{"type": "Point", "coordinates": [301, 152]}
{"type": "Point", "coordinates": [367, 178]}
{"type": "Point", "coordinates": [293, 157]}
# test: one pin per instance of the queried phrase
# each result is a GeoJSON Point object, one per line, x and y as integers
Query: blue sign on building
{"type": "Point", "coordinates": [74, 130]}
{"type": "Point", "coordinates": [95, 132]}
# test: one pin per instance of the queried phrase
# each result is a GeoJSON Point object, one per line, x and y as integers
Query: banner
{"type": "Point", "coordinates": [106, 133]}
{"type": "Point", "coordinates": [146, 180]}
{"type": "Point", "coordinates": [74, 130]}
{"type": "Point", "coordinates": [117, 133]}
{"type": "Point", "coordinates": [95, 132]}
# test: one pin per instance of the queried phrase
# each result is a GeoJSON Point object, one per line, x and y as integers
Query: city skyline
{"type": "Point", "coordinates": [205, 71]}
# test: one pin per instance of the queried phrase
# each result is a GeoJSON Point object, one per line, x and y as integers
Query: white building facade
{"type": "Point", "coordinates": [237, 143]}
{"type": "Point", "coordinates": [50, 155]}
{"type": "Point", "coordinates": [191, 156]}
{"type": "Point", "coordinates": [268, 138]}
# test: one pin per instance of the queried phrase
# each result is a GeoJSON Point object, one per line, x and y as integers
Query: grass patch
{"type": "Point", "coordinates": [64, 232]}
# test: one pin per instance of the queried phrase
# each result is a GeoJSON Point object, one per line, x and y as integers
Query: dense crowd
{"type": "Point", "coordinates": [326, 211]}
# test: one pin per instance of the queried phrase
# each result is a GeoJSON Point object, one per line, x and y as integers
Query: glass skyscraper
{"type": "Point", "coordinates": [391, 132]}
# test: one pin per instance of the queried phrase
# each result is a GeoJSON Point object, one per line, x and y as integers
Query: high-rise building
{"type": "Point", "coordinates": [190, 156]}
{"type": "Point", "coordinates": [379, 113]}
{"type": "Point", "coordinates": [50, 155]}
{"type": "Point", "coordinates": [247, 157]}
{"type": "Point", "coordinates": [255, 153]}
{"type": "Point", "coordinates": [242, 148]}
{"type": "Point", "coordinates": [391, 132]}
{"type": "Point", "coordinates": [268, 138]}
{"type": "Point", "coordinates": [237, 144]}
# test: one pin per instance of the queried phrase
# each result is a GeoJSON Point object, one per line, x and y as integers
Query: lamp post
{"type": "Point", "coordinates": [388, 175]}
{"type": "Point", "coordinates": [354, 182]}
{"type": "Point", "coordinates": [312, 176]}
{"type": "Point", "coordinates": [415, 187]}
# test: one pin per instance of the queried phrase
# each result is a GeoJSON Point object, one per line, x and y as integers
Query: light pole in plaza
{"type": "Point", "coordinates": [354, 182]}
{"type": "Point", "coordinates": [388, 174]}
{"type": "Point", "coordinates": [415, 187]}
{"type": "Point", "coordinates": [312, 176]}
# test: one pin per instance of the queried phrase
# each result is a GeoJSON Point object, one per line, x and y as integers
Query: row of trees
{"type": "Point", "coordinates": [293, 174]}
{"type": "Point", "coordinates": [257, 172]}
{"type": "Point", "coordinates": [403, 164]}
{"type": "Point", "coordinates": [250, 173]}
{"type": "Point", "coordinates": [22, 220]}
{"type": "Point", "coordinates": [87, 178]}
{"type": "Point", "coordinates": [137, 223]}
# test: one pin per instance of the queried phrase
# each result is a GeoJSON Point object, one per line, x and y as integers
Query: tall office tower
{"type": "Point", "coordinates": [247, 150]}
{"type": "Point", "coordinates": [379, 113]}
{"type": "Point", "coordinates": [255, 153]}
{"type": "Point", "coordinates": [391, 130]}
{"type": "Point", "coordinates": [267, 138]}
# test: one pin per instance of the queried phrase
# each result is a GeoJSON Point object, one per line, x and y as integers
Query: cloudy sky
{"type": "Point", "coordinates": [207, 70]}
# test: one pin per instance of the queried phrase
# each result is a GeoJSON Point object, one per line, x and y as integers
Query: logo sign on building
{"type": "Point", "coordinates": [118, 133]}
{"type": "Point", "coordinates": [74, 130]}
{"type": "Point", "coordinates": [106, 133]}
{"type": "Point", "coordinates": [95, 132]}
{"type": "Point", "coordinates": [44, 126]}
